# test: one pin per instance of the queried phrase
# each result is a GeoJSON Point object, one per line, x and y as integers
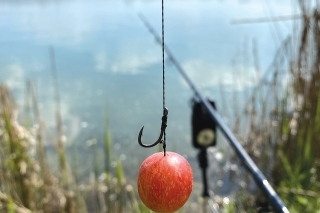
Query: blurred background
{"type": "Point", "coordinates": [80, 78]}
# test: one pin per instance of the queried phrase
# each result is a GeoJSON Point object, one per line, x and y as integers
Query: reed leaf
{"type": "Point", "coordinates": [107, 144]}
{"type": "Point", "coordinates": [10, 205]}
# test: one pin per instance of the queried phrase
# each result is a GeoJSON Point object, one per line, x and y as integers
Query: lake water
{"type": "Point", "coordinates": [105, 57]}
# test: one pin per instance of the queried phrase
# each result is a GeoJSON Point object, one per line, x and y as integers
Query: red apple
{"type": "Point", "coordinates": [165, 182]}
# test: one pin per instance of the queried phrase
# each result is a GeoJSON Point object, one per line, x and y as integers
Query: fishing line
{"type": "Point", "coordinates": [165, 110]}
{"type": "Point", "coordinates": [163, 75]}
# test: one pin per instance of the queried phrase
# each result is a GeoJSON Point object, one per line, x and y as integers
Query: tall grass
{"type": "Point", "coordinates": [27, 182]}
{"type": "Point", "coordinates": [283, 116]}
{"type": "Point", "coordinates": [299, 156]}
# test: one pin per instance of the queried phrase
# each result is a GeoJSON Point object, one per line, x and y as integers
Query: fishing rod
{"type": "Point", "coordinates": [257, 175]}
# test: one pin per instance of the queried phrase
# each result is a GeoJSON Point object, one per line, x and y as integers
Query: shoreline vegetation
{"type": "Point", "coordinates": [281, 126]}
{"type": "Point", "coordinates": [29, 185]}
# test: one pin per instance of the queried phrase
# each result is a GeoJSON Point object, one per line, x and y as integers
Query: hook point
{"type": "Point", "coordinates": [141, 131]}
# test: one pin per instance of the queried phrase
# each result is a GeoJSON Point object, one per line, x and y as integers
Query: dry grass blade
{"type": "Point", "coordinates": [18, 209]}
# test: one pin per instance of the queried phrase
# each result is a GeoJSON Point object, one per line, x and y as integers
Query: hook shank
{"type": "Point", "coordinates": [149, 145]}
{"type": "Point", "coordinates": [162, 132]}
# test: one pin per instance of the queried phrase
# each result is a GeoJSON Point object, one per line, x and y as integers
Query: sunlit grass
{"type": "Point", "coordinates": [282, 122]}
{"type": "Point", "coordinates": [28, 184]}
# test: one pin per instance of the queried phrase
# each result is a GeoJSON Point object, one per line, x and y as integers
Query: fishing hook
{"type": "Point", "coordinates": [163, 129]}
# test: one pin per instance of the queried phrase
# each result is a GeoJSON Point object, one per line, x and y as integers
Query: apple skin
{"type": "Point", "coordinates": [165, 182]}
